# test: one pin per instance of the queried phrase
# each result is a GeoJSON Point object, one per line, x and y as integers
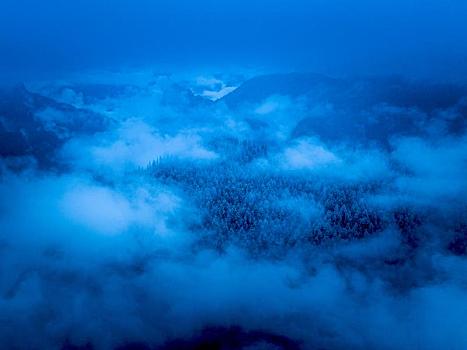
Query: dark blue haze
{"type": "Point", "coordinates": [230, 175]}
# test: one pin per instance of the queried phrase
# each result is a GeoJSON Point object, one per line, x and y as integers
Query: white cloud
{"type": "Point", "coordinates": [97, 208]}
{"type": "Point", "coordinates": [307, 155]}
{"type": "Point", "coordinates": [135, 144]}
{"type": "Point", "coordinates": [108, 211]}
{"type": "Point", "coordinates": [274, 104]}
{"type": "Point", "coordinates": [435, 170]}
{"type": "Point", "coordinates": [267, 107]}
{"type": "Point", "coordinates": [208, 81]}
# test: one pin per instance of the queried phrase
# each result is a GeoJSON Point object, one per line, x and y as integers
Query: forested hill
{"type": "Point", "coordinates": [362, 110]}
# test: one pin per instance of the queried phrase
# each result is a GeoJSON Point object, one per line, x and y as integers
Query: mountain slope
{"type": "Point", "coordinates": [363, 110]}
{"type": "Point", "coordinates": [34, 125]}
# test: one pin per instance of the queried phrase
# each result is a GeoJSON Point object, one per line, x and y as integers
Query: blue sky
{"type": "Point", "coordinates": [415, 38]}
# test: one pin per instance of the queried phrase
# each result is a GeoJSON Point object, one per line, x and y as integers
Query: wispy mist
{"type": "Point", "coordinates": [162, 186]}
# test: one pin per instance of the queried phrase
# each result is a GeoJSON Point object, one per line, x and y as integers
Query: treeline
{"type": "Point", "coordinates": [268, 212]}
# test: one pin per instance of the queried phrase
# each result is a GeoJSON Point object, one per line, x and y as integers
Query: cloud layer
{"type": "Point", "coordinates": [184, 214]}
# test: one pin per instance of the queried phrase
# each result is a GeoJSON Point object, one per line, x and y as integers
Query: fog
{"type": "Point", "coordinates": [416, 38]}
{"type": "Point", "coordinates": [166, 182]}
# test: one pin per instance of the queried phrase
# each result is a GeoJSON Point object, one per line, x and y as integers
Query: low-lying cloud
{"type": "Point", "coordinates": [154, 229]}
